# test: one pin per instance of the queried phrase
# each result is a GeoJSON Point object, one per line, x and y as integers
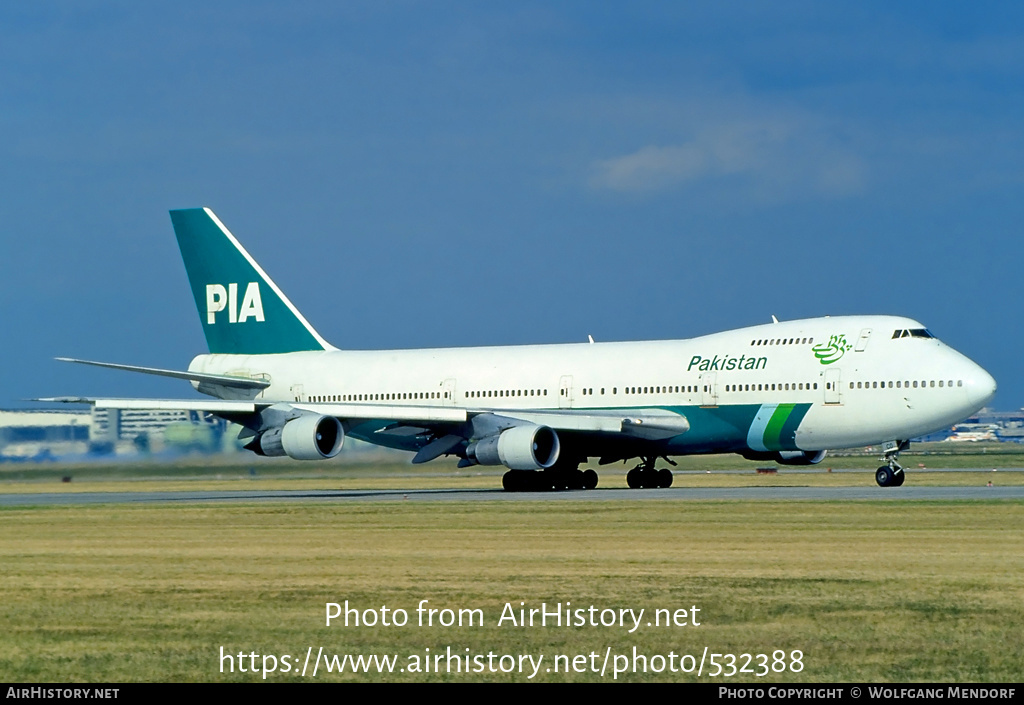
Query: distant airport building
{"type": "Point", "coordinates": [41, 434]}
{"type": "Point", "coordinates": [129, 424]}
{"type": "Point", "coordinates": [46, 435]}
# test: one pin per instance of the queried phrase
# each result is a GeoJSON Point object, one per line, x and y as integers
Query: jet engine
{"type": "Point", "coordinates": [800, 457]}
{"type": "Point", "coordinates": [308, 437]}
{"type": "Point", "coordinates": [526, 447]}
{"type": "Point", "coordinates": [789, 457]}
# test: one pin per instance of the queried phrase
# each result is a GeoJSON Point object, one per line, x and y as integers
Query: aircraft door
{"type": "Point", "coordinates": [709, 389]}
{"type": "Point", "coordinates": [833, 394]}
{"type": "Point", "coordinates": [448, 393]}
{"type": "Point", "coordinates": [298, 392]}
{"type": "Point", "coordinates": [565, 392]}
{"type": "Point", "coordinates": [862, 341]}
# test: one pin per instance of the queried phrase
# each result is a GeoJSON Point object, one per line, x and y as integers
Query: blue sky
{"type": "Point", "coordinates": [421, 174]}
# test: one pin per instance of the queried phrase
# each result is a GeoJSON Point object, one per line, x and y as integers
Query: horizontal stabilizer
{"type": "Point", "coordinates": [222, 380]}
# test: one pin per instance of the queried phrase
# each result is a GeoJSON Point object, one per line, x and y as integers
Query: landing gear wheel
{"type": "Point", "coordinates": [884, 476]}
{"type": "Point", "coordinates": [527, 481]}
{"type": "Point", "coordinates": [511, 481]}
{"type": "Point", "coordinates": [891, 474]}
{"type": "Point", "coordinates": [647, 476]}
{"type": "Point", "coordinates": [548, 480]}
{"type": "Point", "coordinates": [576, 480]}
{"type": "Point", "coordinates": [589, 479]}
{"type": "Point", "coordinates": [634, 479]}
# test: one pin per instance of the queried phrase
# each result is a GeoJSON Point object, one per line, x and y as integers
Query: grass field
{"type": "Point", "coordinates": [867, 591]}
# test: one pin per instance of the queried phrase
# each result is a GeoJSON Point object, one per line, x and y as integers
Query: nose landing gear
{"type": "Point", "coordinates": [891, 474]}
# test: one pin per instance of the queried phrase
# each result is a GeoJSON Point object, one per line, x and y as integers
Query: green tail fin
{"type": "Point", "coordinates": [242, 310]}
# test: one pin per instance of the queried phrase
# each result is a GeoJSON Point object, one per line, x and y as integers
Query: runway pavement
{"type": "Point", "coordinates": [775, 494]}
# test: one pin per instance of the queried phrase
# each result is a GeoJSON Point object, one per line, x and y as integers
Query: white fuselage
{"type": "Point", "coordinates": [849, 379]}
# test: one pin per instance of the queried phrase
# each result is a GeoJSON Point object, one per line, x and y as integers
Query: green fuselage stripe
{"type": "Point", "coordinates": [773, 431]}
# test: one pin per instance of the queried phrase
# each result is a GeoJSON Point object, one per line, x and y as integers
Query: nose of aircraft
{"type": "Point", "coordinates": [981, 386]}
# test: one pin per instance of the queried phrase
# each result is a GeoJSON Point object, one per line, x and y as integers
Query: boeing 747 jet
{"type": "Point", "coordinates": [783, 392]}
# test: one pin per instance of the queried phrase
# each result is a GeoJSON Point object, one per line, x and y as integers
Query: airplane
{"type": "Point", "coordinates": [785, 391]}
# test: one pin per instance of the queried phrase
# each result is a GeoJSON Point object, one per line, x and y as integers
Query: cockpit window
{"type": "Point", "coordinates": [913, 333]}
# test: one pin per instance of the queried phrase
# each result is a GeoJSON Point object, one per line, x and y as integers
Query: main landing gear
{"type": "Point", "coordinates": [645, 475]}
{"type": "Point", "coordinates": [557, 477]}
{"type": "Point", "coordinates": [891, 474]}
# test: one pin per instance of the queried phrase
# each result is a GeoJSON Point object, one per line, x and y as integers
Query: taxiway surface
{"type": "Point", "coordinates": [775, 494]}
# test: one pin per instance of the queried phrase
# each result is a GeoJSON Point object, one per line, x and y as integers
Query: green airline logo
{"type": "Point", "coordinates": [833, 350]}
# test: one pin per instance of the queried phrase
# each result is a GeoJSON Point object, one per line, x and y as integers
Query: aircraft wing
{"type": "Point", "coordinates": [651, 424]}
{"type": "Point", "coordinates": [432, 431]}
{"type": "Point", "coordinates": [213, 406]}
{"type": "Point", "coordinates": [426, 414]}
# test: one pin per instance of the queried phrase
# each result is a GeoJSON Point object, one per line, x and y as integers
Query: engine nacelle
{"type": "Point", "coordinates": [308, 437]}
{"type": "Point", "coordinates": [788, 457]}
{"type": "Point", "coordinates": [526, 447]}
{"type": "Point", "coordinates": [800, 457]}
